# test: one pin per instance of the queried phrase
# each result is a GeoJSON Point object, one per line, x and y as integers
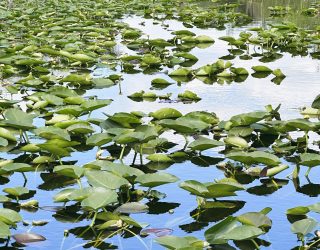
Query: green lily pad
{"type": "Point", "coordinates": [4, 230]}
{"type": "Point", "coordinates": [99, 197]}
{"type": "Point", "coordinates": [16, 191]}
{"type": "Point", "coordinates": [174, 242]}
{"type": "Point", "coordinates": [16, 118]}
{"type": "Point", "coordinates": [310, 159]}
{"type": "Point", "coordinates": [52, 133]}
{"type": "Point", "coordinates": [9, 217]}
{"type": "Point", "coordinates": [165, 113]}
{"type": "Point", "coordinates": [132, 208]}
{"type": "Point", "coordinates": [105, 179]}
{"type": "Point", "coordinates": [69, 170]}
{"type": "Point", "coordinates": [255, 157]}
{"type": "Point", "coordinates": [156, 179]}
{"type": "Point", "coordinates": [304, 226]}
{"type": "Point", "coordinates": [203, 143]}
{"type": "Point", "coordinates": [185, 125]}
{"type": "Point", "coordinates": [159, 158]}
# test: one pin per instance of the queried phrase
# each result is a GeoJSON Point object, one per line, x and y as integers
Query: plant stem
{"type": "Point", "coordinates": [187, 142]}
{"type": "Point", "coordinates": [25, 178]}
{"type": "Point", "coordinates": [120, 91]}
{"type": "Point", "coordinates": [306, 138]}
{"type": "Point", "coordinates": [93, 219]}
{"type": "Point", "coordinates": [255, 243]}
{"type": "Point", "coordinates": [26, 137]}
{"type": "Point", "coordinates": [110, 235]}
{"type": "Point", "coordinates": [122, 152]}
{"type": "Point", "coordinates": [138, 237]}
{"type": "Point", "coordinates": [79, 183]}
{"type": "Point", "coordinates": [134, 158]}
{"type": "Point", "coordinates": [60, 160]}
{"type": "Point", "coordinates": [307, 173]}
{"type": "Point", "coordinates": [313, 243]}
{"type": "Point", "coordinates": [274, 183]}
{"type": "Point", "coordinates": [296, 171]}
{"type": "Point", "coordinates": [141, 157]}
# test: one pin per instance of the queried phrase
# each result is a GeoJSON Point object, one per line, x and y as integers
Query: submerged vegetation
{"type": "Point", "coordinates": [51, 53]}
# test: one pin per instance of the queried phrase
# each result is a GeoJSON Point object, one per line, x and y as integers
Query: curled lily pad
{"type": "Point", "coordinates": [132, 208]}
{"type": "Point", "coordinates": [30, 203]}
{"type": "Point", "coordinates": [236, 141]}
{"type": "Point", "coordinates": [166, 113]}
{"type": "Point", "coordinates": [189, 96]}
{"type": "Point", "coordinates": [273, 171]}
{"type": "Point", "coordinates": [248, 118]}
{"type": "Point", "coordinates": [304, 226]}
{"type": "Point", "coordinates": [255, 219]}
{"type": "Point", "coordinates": [28, 238]}
{"type": "Point", "coordinates": [4, 230]}
{"type": "Point", "coordinates": [158, 232]}
{"type": "Point", "coordinates": [39, 222]}
{"type": "Point", "coordinates": [9, 216]}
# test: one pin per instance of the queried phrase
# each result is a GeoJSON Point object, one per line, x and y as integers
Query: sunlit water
{"type": "Point", "coordinates": [298, 89]}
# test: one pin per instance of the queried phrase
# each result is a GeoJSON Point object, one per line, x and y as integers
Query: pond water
{"type": "Point", "coordinates": [297, 90]}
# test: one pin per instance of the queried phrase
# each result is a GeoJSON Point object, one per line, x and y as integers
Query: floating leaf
{"type": "Point", "coordinates": [156, 179]}
{"type": "Point", "coordinates": [174, 242]}
{"type": "Point", "coordinates": [28, 238]}
{"type": "Point", "coordinates": [217, 234]}
{"type": "Point", "coordinates": [9, 217]}
{"type": "Point", "coordinates": [159, 158]}
{"type": "Point", "coordinates": [185, 125]}
{"type": "Point", "coordinates": [255, 219]}
{"type": "Point", "coordinates": [16, 118]}
{"type": "Point", "coordinates": [99, 139]}
{"type": "Point", "coordinates": [304, 226]}
{"type": "Point", "coordinates": [310, 159]}
{"type": "Point", "coordinates": [203, 143]}
{"type": "Point", "coordinates": [158, 232]}
{"type": "Point", "coordinates": [194, 187]}
{"type": "Point", "coordinates": [52, 133]}
{"type": "Point", "coordinates": [4, 230]}
{"type": "Point", "coordinates": [255, 157]}
{"type": "Point", "coordinates": [69, 170]}
{"type": "Point", "coordinates": [236, 141]}
{"type": "Point", "coordinates": [261, 69]}
{"type": "Point", "coordinates": [165, 113]}
{"type": "Point", "coordinates": [99, 197]}
{"type": "Point", "coordinates": [16, 191]}
{"type": "Point", "coordinates": [180, 72]}
{"type": "Point", "coordinates": [132, 208]}
{"type": "Point", "coordinates": [105, 179]}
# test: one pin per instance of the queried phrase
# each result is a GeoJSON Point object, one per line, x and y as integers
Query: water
{"type": "Point", "coordinates": [298, 89]}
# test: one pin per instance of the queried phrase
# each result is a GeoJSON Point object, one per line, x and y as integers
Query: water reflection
{"type": "Point", "coordinates": [258, 10]}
